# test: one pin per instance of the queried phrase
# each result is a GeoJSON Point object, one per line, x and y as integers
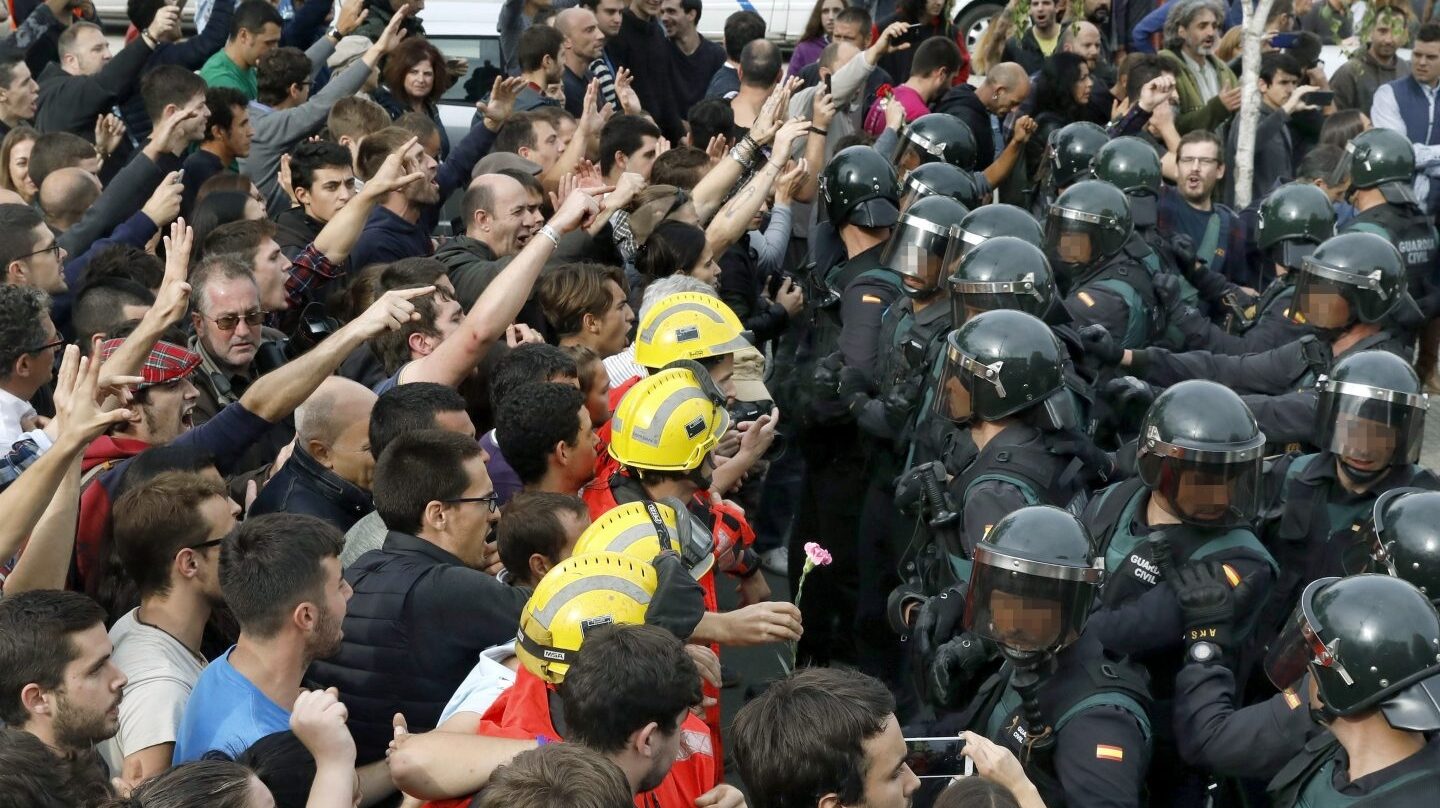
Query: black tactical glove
{"type": "Point", "coordinates": [827, 376]}
{"type": "Point", "coordinates": [679, 601]}
{"type": "Point", "coordinates": [1128, 396]}
{"type": "Point", "coordinates": [1098, 343]}
{"type": "Point", "coordinates": [1208, 600]}
{"type": "Point", "coordinates": [939, 619]}
{"type": "Point", "coordinates": [1167, 289]}
{"type": "Point", "coordinates": [854, 386]}
{"type": "Point", "coordinates": [899, 402]}
{"type": "Point", "coordinates": [957, 664]}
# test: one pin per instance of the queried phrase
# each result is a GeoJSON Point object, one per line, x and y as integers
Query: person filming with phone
{"type": "Point", "coordinates": [1281, 95]}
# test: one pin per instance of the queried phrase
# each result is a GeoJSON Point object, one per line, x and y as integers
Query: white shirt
{"type": "Point", "coordinates": [621, 367]}
{"type": "Point", "coordinates": [1207, 79]}
{"type": "Point", "coordinates": [161, 673]}
{"type": "Point", "coordinates": [1385, 114]}
{"type": "Point", "coordinates": [487, 680]}
{"type": "Point", "coordinates": [14, 411]}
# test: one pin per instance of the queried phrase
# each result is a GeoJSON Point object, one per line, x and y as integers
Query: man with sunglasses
{"type": "Point", "coordinates": [423, 607]}
{"type": "Point", "coordinates": [229, 330]}
{"type": "Point", "coordinates": [167, 534]}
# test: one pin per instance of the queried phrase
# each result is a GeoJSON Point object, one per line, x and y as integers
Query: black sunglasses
{"type": "Point", "coordinates": [491, 500]}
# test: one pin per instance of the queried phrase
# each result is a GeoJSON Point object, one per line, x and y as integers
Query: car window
{"type": "Point", "coordinates": [483, 54]}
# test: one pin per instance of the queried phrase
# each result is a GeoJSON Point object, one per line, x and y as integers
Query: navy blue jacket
{"type": "Point", "coordinates": [305, 486]}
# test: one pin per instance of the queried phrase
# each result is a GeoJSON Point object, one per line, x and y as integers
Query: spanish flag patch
{"type": "Point", "coordinates": [1103, 752]}
{"type": "Point", "coordinates": [870, 299]}
{"type": "Point", "coordinates": [1086, 299]}
{"type": "Point", "coordinates": [1231, 575]}
{"type": "Point", "coordinates": [1291, 700]}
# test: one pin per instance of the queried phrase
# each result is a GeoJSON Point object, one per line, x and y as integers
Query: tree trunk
{"type": "Point", "coordinates": [1249, 114]}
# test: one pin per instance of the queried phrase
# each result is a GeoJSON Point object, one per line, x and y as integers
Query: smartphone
{"type": "Point", "coordinates": [934, 758]}
{"type": "Point", "coordinates": [912, 35]}
{"type": "Point", "coordinates": [777, 280]}
{"type": "Point", "coordinates": [1285, 39]}
{"type": "Point", "coordinates": [1320, 98]}
{"type": "Point", "coordinates": [829, 88]}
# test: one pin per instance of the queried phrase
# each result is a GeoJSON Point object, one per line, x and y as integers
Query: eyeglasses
{"type": "Point", "coordinates": [213, 542]}
{"type": "Point", "coordinates": [492, 501]}
{"type": "Point", "coordinates": [58, 342]}
{"type": "Point", "coordinates": [228, 322]}
{"type": "Point", "coordinates": [53, 248]}
{"type": "Point", "coordinates": [1198, 161]}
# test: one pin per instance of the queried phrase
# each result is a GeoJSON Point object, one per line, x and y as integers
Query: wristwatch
{"type": "Point", "coordinates": [1204, 652]}
{"type": "Point", "coordinates": [334, 33]}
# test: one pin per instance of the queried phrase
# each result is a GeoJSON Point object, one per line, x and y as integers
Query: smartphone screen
{"type": "Point", "coordinates": [933, 758]}
{"type": "Point", "coordinates": [1287, 39]}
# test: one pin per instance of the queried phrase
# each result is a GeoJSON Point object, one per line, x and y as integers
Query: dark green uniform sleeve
{"type": "Point", "coordinates": [989, 502]}
{"type": "Point", "coordinates": [1254, 741]}
{"type": "Point", "coordinates": [1096, 306]}
{"type": "Point", "coordinates": [1285, 419]}
{"type": "Point", "coordinates": [1273, 372]}
{"type": "Point", "coordinates": [861, 308]}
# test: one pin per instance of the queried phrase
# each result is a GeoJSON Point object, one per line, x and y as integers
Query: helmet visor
{"type": "Point", "coordinates": [1207, 493]}
{"type": "Point", "coordinates": [916, 251]}
{"type": "Point", "coordinates": [974, 296]}
{"type": "Point", "coordinates": [959, 378]}
{"type": "Point", "coordinates": [1027, 605]}
{"type": "Point", "coordinates": [1321, 302]}
{"type": "Point", "coordinates": [910, 155]}
{"type": "Point", "coordinates": [913, 191]}
{"type": "Point", "coordinates": [1301, 644]}
{"type": "Point", "coordinates": [1370, 427]}
{"type": "Point", "coordinates": [1069, 241]}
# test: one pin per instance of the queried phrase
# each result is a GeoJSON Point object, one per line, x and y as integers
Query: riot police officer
{"type": "Point", "coordinates": [989, 221]}
{"type": "Point", "coordinates": [1368, 424]}
{"type": "Point", "coordinates": [844, 306]}
{"type": "Point", "coordinates": [1404, 537]}
{"type": "Point", "coordinates": [1098, 267]}
{"type": "Point", "coordinates": [1068, 155]}
{"type": "Point", "coordinates": [1077, 719]}
{"type": "Point", "coordinates": [934, 138]}
{"type": "Point", "coordinates": [1349, 291]}
{"type": "Point", "coordinates": [1293, 220]}
{"type": "Point", "coordinates": [942, 179]}
{"type": "Point", "coordinates": [1199, 459]}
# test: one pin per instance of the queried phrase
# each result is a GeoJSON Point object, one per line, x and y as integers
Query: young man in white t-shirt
{"type": "Point", "coordinates": [167, 532]}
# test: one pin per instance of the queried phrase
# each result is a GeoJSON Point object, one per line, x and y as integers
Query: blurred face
{"type": "Point", "coordinates": [608, 14]}
{"type": "Point", "coordinates": [44, 269]}
{"type": "Point", "coordinates": [167, 411]}
{"type": "Point", "coordinates": [226, 323]}
{"type": "Point", "coordinates": [420, 80]}
{"type": "Point", "coordinates": [237, 137]}
{"type": "Point", "coordinates": [350, 456]}
{"type": "Point", "coordinates": [1200, 169]}
{"type": "Point", "coordinates": [1081, 91]}
{"type": "Point", "coordinates": [86, 705]}
{"type": "Point", "coordinates": [1370, 444]}
{"type": "Point", "coordinates": [849, 32]}
{"type": "Point", "coordinates": [615, 325]}
{"type": "Point", "coordinates": [332, 189]}
{"type": "Point", "coordinates": [1323, 306]}
{"type": "Point", "coordinates": [585, 37]}
{"type": "Point", "coordinates": [19, 168]}
{"type": "Point", "coordinates": [1201, 34]}
{"type": "Point", "coordinates": [89, 53]}
{"type": "Point", "coordinates": [1278, 90]}
{"type": "Point", "coordinates": [327, 634]}
{"type": "Point", "coordinates": [1024, 624]}
{"type": "Point", "coordinates": [829, 10]}
{"type": "Point", "coordinates": [643, 159]}
{"type": "Point", "coordinates": [1042, 13]}
{"type": "Point", "coordinates": [1204, 495]}
{"type": "Point", "coordinates": [253, 45]}
{"type": "Point", "coordinates": [1425, 62]}
{"type": "Point", "coordinates": [18, 99]}
{"type": "Point", "coordinates": [889, 783]}
{"type": "Point", "coordinates": [271, 270]}
{"type": "Point", "coordinates": [469, 524]}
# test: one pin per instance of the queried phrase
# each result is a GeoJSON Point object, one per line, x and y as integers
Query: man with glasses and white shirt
{"type": "Point", "coordinates": [28, 345]}
{"type": "Point", "coordinates": [29, 251]}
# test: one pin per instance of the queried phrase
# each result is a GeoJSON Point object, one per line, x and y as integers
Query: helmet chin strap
{"type": "Point", "coordinates": [1032, 668]}
{"type": "Point", "coordinates": [1363, 476]}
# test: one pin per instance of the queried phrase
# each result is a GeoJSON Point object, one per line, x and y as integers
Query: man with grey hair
{"type": "Point", "coordinates": [227, 320]}
{"type": "Point", "coordinates": [329, 473]}
{"type": "Point", "coordinates": [1209, 92]}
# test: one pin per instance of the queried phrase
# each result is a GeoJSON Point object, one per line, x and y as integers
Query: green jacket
{"type": "Point", "coordinates": [220, 71]}
{"type": "Point", "coordinates": [1195, 113]}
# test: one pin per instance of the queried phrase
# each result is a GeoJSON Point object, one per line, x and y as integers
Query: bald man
{"type": "Point", "coordinates": [584, 43]}
{"type": "Point", "coordinates": [500, 217]}
{"type": "Point", "coordinates": [982, 108]}
{"type": "Point", "coordinates": [65, 196]}
{"type": "Point", "coordinates": [328, 473]}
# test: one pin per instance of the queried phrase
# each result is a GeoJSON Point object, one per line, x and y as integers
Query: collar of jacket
{"type": "Point", "coordinates": [335, 488]}
{"type": "Point", "coordinates": [410, 544]}
{"type": "Point", "coordinates": [475, 247]}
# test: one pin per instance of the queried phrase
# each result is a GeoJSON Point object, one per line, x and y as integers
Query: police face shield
{"type": "Point", "coordinates": [1290, 253]}
{"type": "Point", "coordinates": [1302, 643]}
{"type": "Point", "coordinates": [1070, 241]}
{"type": "Point", "coordinates": [968, 298]}
{"type": "Point", "coordinates": [1028, 605]}
{"type": "Point", "coordinates": [1321, 302]}
{"type": "Point", "coordinates": [1208, 488]}
{"type": "Point", "coordinates": [916, 251]}
{"type": "Point", "coordinates": [1370, 428]}
{"type": "Point", "coordinates": [913, 190]}
{"type": "Point", "coordinates": [910, 154]}
{"type": "Point", "coordinates": [962, 378]}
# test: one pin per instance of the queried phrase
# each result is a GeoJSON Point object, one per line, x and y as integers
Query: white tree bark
{"type": "Point", "coordinates": [1249, 115]}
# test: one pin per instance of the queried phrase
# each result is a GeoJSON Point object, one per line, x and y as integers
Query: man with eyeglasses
{"type": "Point", "coordinates": [31, 255]}
{"type": "Point", "coordinates": [423, 609]}
{"type": "Point", "coordinates": [168, 532]}
{"type": "Point", "coordinates": [28, 344]}
{"type": "Point", "coordinates": [229, 329]}
{"type": "Point", "coordinates": [1189, 208]}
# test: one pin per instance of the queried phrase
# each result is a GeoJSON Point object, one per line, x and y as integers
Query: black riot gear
{"type": "Point", "coordinates": [859, 187]}
{"type": "Point", "coordinates": [1003, 272]}
{"type": "Point", "coordinates": [1201, 449]}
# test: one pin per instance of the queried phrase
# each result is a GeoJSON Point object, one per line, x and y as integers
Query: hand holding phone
{"type": "Point", "coordinates": [936, 758]}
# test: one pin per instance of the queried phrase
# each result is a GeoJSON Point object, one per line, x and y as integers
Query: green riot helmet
{"type": "Point", "coordinates": [1370, 642]}
{"type": "Point", "coordinates": [1072, 152]}
{"type": "Point", "coordinates": [1352, 276]}
{"type": "Point", "coordinates": [938, 137]}
{"type": "Point", "coordinates": [1088, 224]}
{"type": "Point", "coordinates": [1404, 537]}
{"type": "Point", "coordinates": [1371, 413]}
{"type": "Point", "coordinates": [1033, 582]}
{"type": "Point", "coordinates": [859, 187]}
{"type": "Point", "coordinates": [1131, 164]}
{"type": "Point", "coordinates": [1003, 272]}
{"type": "Point", "coordinates": [998, 219]}
{"type": "Point", "coordinates": [1378, 158]}
{"type": "Point", "coordinates": [997, 364]}
{"type": "Point", "coordinates": [1294, 219]}
{"type": "Point", "coordinates": [940, 179]}
{"type": "Point", "coordinates": [916, 249]}
{"type": "Point", "coordinates": [1201, 450]}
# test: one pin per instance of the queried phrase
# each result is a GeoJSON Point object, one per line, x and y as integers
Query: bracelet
{"type": "Point", "coordinates": [817, 130]}
{"type": "Point", "coordinates": [549, 232]}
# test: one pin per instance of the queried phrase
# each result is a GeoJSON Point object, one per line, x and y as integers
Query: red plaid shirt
{"type": "Point", "coordinates": [310, 270]}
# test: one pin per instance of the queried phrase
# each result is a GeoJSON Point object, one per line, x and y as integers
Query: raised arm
{"type": "Point", "coordinates": [339, 235]}
{"type": "Point", "coordinates": [734, 219]}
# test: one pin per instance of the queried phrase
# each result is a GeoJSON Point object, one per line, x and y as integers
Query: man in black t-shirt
{"type": "Point", "coordinates": [693, 58]}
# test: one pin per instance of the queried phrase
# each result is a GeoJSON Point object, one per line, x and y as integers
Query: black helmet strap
{"type": "Point", "coordinates": [1031, 670]}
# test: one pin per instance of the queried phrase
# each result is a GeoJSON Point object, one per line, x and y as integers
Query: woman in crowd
{"type": "Point", "coordinates": [413, 80]}
{"type": "Point", "coordinates": [15, 162]}
{"type": "Point", "coordinates": [817, 34]}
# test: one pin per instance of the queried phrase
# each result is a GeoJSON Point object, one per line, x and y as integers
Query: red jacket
{"type": "Point", "coordinates": [523, 711]}
{"type": "Point", "coordinates": [92, 535]}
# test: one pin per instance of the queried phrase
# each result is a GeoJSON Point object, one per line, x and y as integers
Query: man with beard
{"type": "Point", "coordinates": [1357, 80]}
{"type": "Point", "coordinates": [57, 679]}
{"type": "Point", "coordinates": [167, 534]}
{"type": "Point", "coordinates": [1189, 209]}
{"type": "Point", "coordinates": [280, 575]}
{"type": "Point", "coordinates": [1034, 45]}
{"type": "Point", "coordinates": [540, 65]}
{"type": "Point", "coordinates": [1209, 91]}
{"type": "Point", "coordinates": [424, 607]}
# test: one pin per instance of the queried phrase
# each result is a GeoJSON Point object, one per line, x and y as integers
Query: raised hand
{"type": "Point", "coordinates": [354, 12]}
{"type": "Point", "coordinates": [392, 175]}
{"type": "Point", "coordinates": [502, 100]}
{"type": "Point", "coordinates": [393, 34]}
{"type": "Point", "coordinates": [792, 130]}
{"type": "Point", "coordinates": [82, 419]}
{"type": "Point", "coordinates": [318, 721]}
{"type": "Point", "coordinates": [390, 311]}
{"type": "Point", "coordinates": [109, 129]}
{"type": "Point", "coordinates": [164, 204]}
{"type": "Point", "coordinates": [790, 181]}
{"type": "Point", "coordinates": [173, 299]}
{"type": "Point", "coordinates": [166, 21]}
{"type": "Point", "coordinates": [577, 209]}
{"type": "Point", "coordinates": [625, 92]}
